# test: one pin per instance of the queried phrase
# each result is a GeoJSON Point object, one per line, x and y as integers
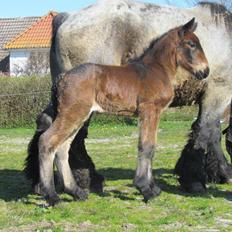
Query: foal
{"type": "Point", "coordinates": [143, 88]}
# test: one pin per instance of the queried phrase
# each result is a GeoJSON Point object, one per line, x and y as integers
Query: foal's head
{"type": "Point", "coordinates": [189, 53]}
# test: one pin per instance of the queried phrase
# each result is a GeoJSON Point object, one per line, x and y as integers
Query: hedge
{"type": "Point", "coordinates": [22, 99]}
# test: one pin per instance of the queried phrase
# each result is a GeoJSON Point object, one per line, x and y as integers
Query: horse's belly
{"type": "Point", "coordinates": [115, 107]}
{"type": "Point", "coordinates": [118, 108]}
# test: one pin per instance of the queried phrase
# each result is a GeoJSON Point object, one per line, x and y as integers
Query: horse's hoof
{"type": "Point", "coordinates": [97, 188]}
{"type": "Point", "coordinates": [52, 201]}
{"type": "Point", "coordinates": [96, 185]}
{"type": "Point", "coordinates": [150, 193]}
{"type": "Point", "coordinates": [80, 195]}
{"type": "Point", "coordinates": [195, 188]}
{"type": "Point", "coordinates": [37, 189]}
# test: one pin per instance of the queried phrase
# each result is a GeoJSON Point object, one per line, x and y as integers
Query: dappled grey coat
{"type": "Point", "coordinates": [117, 31]}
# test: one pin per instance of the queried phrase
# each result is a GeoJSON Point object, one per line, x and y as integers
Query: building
{"type": "Point", "coordinates": [11, 27]}
{"type": "Point", "coordinates": [29, 49]}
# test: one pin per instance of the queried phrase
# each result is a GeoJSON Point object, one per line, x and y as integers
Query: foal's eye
{"type": "Point", "coordinates": [191, 44]}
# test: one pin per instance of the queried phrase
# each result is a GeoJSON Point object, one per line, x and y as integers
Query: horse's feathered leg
{"type": "Point", "coordinates": [148, 120]}
{"type": "Point", "coordinates": [79, 160]}
{"type": "Point", "coordinates": [202, 159]}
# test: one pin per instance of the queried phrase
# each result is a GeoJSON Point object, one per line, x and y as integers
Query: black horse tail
{"type": "Point", "coordinates": [31, 169]}
{"type": "Point", "coordinates": [31, 165]}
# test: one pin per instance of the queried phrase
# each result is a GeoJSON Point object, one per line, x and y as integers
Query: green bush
{"type": "Point", "coordinates": [22, 99]}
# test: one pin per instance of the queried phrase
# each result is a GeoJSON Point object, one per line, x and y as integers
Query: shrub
{"type": "Point", "coordinates": [22, 99]}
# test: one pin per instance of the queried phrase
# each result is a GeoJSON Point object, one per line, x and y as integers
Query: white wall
{"type": "Point", "coordinates": [19, 59]}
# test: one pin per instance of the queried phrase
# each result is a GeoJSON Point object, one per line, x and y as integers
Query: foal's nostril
{"type": "Point", "coordinates": [202, 74]}
{"type": "Point", "coordinates": [199, 75]}
{"type": "Point", "coordinates": [206, 73]}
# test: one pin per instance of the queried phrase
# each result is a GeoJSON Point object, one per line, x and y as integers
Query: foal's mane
{"type": "Point", "coordinates": [218, 11]}
{"type": "Point", "coordinates": [149, 48]}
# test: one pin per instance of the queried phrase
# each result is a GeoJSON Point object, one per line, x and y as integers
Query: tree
{"type": "Point", "coordinates": [37, 64]}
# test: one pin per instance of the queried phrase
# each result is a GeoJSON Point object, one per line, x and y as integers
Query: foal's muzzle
{"type": "Point", "coordinates": [202, 74]}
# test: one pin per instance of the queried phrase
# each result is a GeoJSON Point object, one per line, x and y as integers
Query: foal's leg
{"type": "Point", "coordinates": [62, 163]}
{"type": "Point", "coordinates": [148, 119]}
{"type": "Point", "coordinates": [46, 158]}
{"type": "Point", "coordinates": [50, 142]}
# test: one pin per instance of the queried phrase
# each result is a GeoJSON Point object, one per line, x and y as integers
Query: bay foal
{"type": "Point", "coordinates": [143, 88]}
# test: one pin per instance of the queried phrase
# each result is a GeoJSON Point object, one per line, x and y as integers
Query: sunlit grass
{"type": "Point", "coordinates": [113, 149]}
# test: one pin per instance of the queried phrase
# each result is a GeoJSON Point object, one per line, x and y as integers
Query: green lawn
{"type": "Point", "coordinates": [113, 149]}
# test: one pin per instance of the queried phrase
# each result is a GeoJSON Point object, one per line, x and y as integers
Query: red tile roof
{"type": "Point", "coordinates": [11, 27]}
{"type": "Point", "coordinates": [36, 36]}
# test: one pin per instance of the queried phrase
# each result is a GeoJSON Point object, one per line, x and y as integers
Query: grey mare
{"type": "Point", "coordinates": [115, 31]}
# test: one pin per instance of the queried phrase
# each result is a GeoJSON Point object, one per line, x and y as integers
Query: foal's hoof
{"type": "Point", "coordinates": [52, 201]}
{"type": "Point", "coordinates": [150, 193]}
{"type": "Point", "coordinates": [80, 195]}
{"type": "Point", "coordinates": [195, 188]}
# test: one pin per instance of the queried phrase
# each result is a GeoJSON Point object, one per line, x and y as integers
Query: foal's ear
{"type": "Point", "coordinates": [189, 27]}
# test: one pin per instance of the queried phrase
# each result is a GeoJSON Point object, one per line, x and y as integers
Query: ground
{"type": "Point", "coordinates": [113, 149]}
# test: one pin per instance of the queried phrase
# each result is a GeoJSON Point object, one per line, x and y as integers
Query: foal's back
{"type": "Point", "coordinates": [110, 89]}
{"type": "Point", "coordinates": [115, 89]}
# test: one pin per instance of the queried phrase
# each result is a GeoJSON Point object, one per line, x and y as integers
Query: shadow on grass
{"type": "Point", "coordinates": [162, 176]}
{"type": "Point", "coordinates": [13, 185]}
{"type": "Point", "coordinates": [127, 174]}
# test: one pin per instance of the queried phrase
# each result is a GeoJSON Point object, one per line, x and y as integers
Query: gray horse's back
{"type": "Point", "coordinates": [109, 32]}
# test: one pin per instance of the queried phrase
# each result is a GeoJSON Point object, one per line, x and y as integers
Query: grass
{"type": "Point", "coordinates": [113, 149]}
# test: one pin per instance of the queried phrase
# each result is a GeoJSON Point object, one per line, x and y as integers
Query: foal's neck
{"type": "Point", "coordinates": [162, 55]}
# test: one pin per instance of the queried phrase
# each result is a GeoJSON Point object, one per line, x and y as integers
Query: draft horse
{"type": "Point", "coordinates": [129, 26]}
{"type": "Point", "coordinates": [143, 88]}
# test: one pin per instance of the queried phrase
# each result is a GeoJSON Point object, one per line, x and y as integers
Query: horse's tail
{"type": "Point", "coordinates": [31, 165]}
{"type": "Point", "coordinates": [55, 68]}
{"type": "Point", "coordinates": [31, 169]}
